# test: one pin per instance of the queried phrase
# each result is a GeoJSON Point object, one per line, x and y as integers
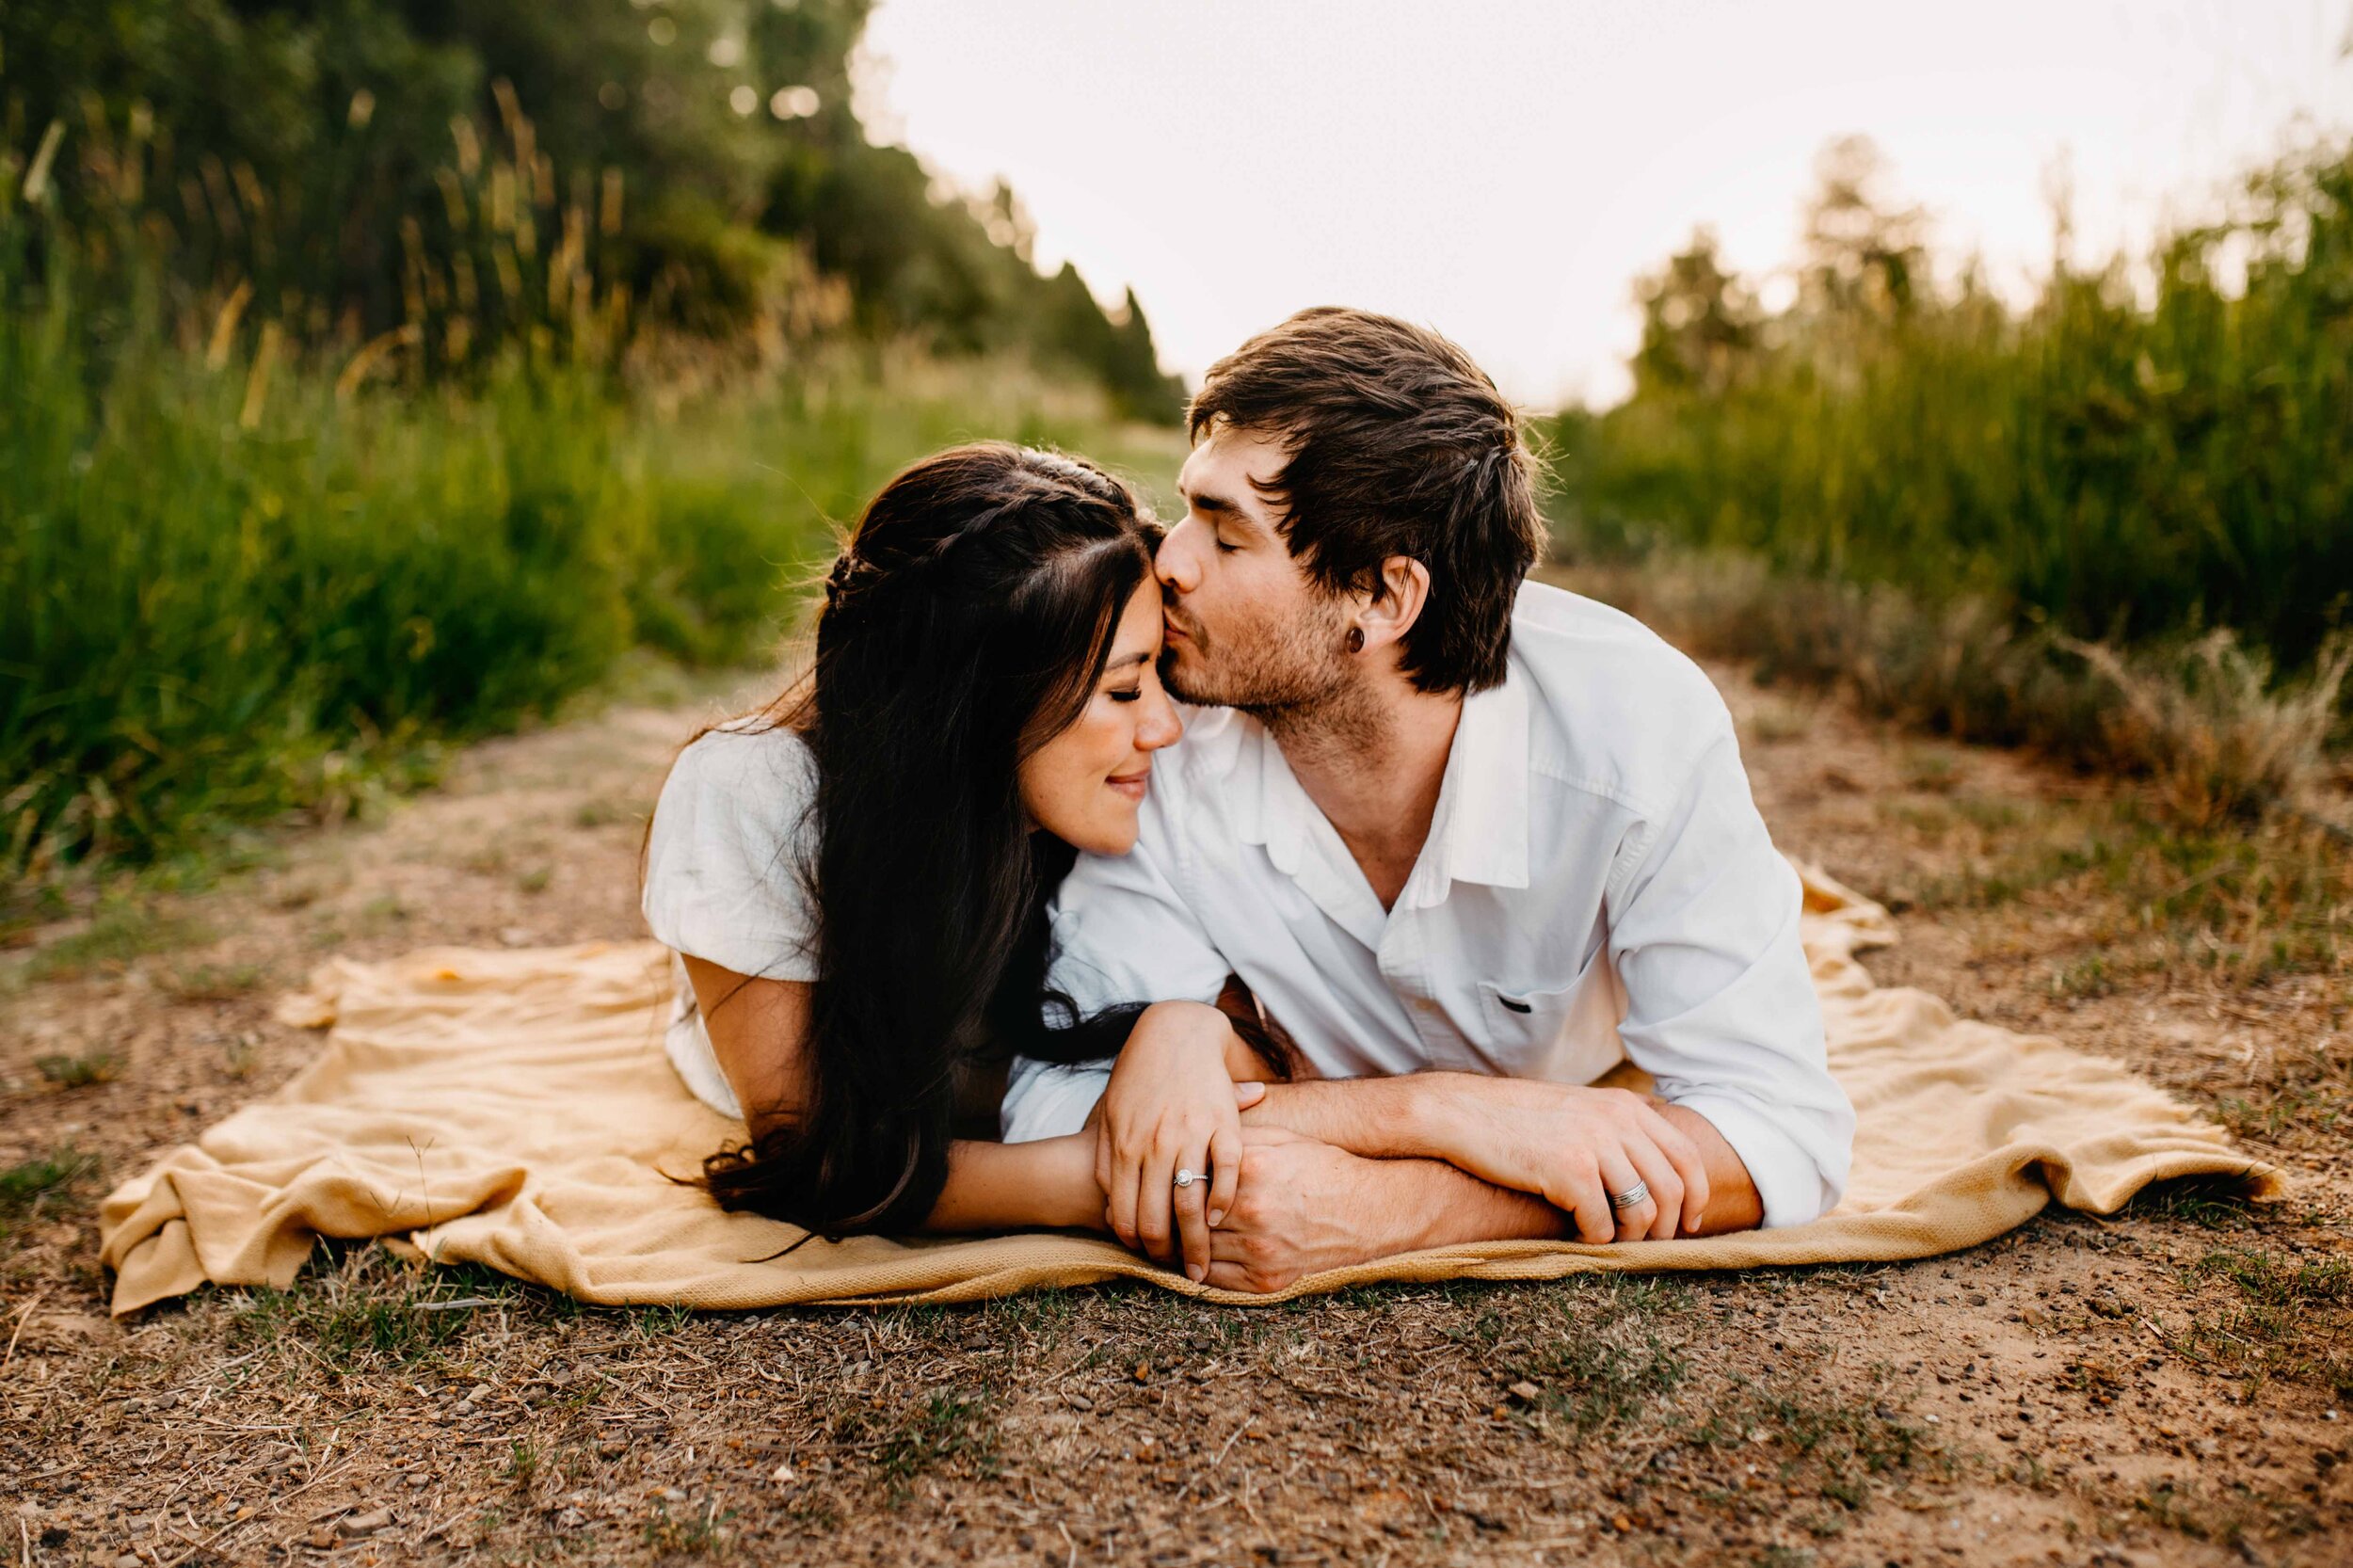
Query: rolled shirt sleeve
{"type": "Point", "coordinates": [1721, 1007]}
{"type": "Point", "coordinates": [1121, 934]}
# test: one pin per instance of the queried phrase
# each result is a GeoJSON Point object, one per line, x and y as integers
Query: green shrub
{"type": "Point", "coordinates": [2143, 453]}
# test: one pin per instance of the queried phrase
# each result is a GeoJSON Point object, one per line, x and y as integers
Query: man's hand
{"type": "Point", "coordinates": [1171, 1105]}
{"type": "Point", "coordinates": [1306, 1206]}
{"type": "Point", "coordinates": [1578, 1147]}
{"type": "Point", "coordinates": [1572, 1145]}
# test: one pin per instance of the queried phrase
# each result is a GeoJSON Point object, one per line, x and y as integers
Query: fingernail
{"type": "Point", "coordinates": [1217, 1218]}
{"type": "Point", "coordinates": [1194, 1271]}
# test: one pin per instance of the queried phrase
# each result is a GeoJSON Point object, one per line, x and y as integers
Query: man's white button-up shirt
{"type": "Point", "coordinates": [1596, 886]}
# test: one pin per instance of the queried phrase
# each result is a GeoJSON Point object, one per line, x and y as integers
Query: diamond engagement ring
{"type": "Point", "coordinates": [1633, 1197]}
{"type": "Point", "coordinates": [1185, 1177]}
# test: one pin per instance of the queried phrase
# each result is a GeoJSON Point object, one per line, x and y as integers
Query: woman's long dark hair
{"type": "Point", "coordinates": [965, 624]}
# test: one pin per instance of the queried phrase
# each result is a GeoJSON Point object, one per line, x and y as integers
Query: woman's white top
{"type": "Point", "coordinates": [729, 866]}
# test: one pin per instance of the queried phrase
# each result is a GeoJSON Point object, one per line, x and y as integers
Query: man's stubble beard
{"type": "Point", "coordinates": [1296, 678]}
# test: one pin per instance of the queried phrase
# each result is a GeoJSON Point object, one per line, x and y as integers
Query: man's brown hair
{"type": "Point", "coordinates": [1397, 446]}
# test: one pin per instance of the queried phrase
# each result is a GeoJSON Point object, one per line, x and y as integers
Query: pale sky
{"type": "Point", "coordinates": [1501, 169]}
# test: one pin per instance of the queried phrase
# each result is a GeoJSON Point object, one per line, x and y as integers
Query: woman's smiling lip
{"type": "Point", "coordinates": [1132, 785]}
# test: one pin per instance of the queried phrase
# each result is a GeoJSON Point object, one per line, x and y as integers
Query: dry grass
{"type": "Point", "coordinates": [2242, 905]}
{"type": "Point", "coordinates": [2220, 740]}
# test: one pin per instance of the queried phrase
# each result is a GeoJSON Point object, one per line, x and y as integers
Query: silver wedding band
{"type": "Point", "coordinates": [1633, 1197]}
{"type": "Point", "coordinates": [1185, 1177]}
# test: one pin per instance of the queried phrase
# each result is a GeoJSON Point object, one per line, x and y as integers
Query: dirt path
{"type": "Point", "coordinates": [2166, 1387]}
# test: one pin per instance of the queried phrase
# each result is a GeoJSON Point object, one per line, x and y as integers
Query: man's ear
{"type": "Point", "coordinates": [1386, 616]}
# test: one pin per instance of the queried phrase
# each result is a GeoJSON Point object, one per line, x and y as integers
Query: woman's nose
{"type": "Point", "coordinates": [1161, 726]}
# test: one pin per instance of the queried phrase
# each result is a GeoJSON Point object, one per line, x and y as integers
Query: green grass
{"type": "Point", "coordinates": [78, 1072]}
{"type": "Point", "coordinates": [44, 1184]}
{"type": "Point", "coordinates": [1608, 1375]}
{"type": "Point", "coordinates": [950, 1425]}
{"type": "Point", "coordinates": [1599, 1353]}
{"type": "Point", "coordinates": [214, 981]}
{"type": "Point", "coordinates": [241, 594]}
{"type": "Point", "coordinates": [2286, 1317]}
{"type": "Point", "coordinates": [118, 932]}
{"type": "Point", "coordinates": [2210, 1203]}
{"type": "Point", "coordinates": [522, 1461]}
{"type": "Point", "coordinates": [358, 1310]}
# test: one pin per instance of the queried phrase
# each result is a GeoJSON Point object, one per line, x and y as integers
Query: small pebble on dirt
{"type": "Point", "coordinates": [365, 1523]}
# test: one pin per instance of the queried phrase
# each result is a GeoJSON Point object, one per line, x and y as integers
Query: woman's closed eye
{"type": "Point", "coordinates": [1131, 694]}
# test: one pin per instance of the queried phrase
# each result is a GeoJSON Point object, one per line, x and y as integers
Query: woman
{"type": "Point", "coordinates": [856, 877]}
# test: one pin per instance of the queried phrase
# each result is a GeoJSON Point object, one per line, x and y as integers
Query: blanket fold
{"type": "Point", "coordinates": [514, 1109]}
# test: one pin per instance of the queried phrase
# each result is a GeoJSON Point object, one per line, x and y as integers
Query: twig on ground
{"type": "Point", "coordinates": [1233, 1437]}
{"type": "Point", "coordinates": [2333, 829]}
{"type": "Point", "coordinates": [23, 1317]}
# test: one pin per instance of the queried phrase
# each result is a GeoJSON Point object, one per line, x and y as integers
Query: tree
{"type": "Point", "coordinates": [1862, 253]}
{"type": "Point", "coordinates": [1699, 322]}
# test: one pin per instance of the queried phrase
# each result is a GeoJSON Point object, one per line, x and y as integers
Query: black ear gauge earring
{"type": "Point", "coordinates": [1355, 639]}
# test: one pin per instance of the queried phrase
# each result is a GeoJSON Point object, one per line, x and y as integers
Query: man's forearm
{"type": "Point", "coordinates": [1458, 1206]}
{"type": "Point", "coordinates": [1455, 1117]}
{"type": "Point", "coordinates": [1733, 1201]}
{"type": "Point", "coordinates": [1380, 1118]}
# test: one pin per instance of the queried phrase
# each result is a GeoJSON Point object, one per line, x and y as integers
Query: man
{"type": "Point", "coordinates": [1470, 841]}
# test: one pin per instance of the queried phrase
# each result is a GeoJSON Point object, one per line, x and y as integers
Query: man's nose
{"type": "Point", "coordinates": [1177, 564]}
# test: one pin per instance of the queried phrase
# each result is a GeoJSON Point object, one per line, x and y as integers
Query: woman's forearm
{"type": "Point", "coordinates": [1048, 1183]}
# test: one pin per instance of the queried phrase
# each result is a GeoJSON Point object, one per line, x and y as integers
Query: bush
{"type": "Point", "coordinates": [2142, 454]}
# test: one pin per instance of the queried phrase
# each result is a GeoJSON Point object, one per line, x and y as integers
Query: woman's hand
{"type": "Point", "coordinates": [1172, 1105]}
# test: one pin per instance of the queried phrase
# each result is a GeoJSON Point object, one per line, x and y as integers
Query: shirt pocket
{"type": "Point", "coordinates": [1519, 1015]}
{"type": "Point", "coordinates": [1563, 1035]}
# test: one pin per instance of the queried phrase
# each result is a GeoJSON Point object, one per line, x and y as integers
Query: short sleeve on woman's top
{"type": "Point", "coordinates": [727, 863]}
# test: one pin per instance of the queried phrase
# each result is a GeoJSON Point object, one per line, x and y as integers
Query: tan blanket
{"type": "Point", "coordinates": [515, 1110]}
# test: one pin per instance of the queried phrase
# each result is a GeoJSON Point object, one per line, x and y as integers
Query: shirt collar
{"type": "Point", "coordinates": [1480, 832]}
{"type": "Point", "coordinates": [1272, 807]}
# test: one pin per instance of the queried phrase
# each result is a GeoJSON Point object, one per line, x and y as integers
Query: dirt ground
{"type": "Point", "coordinates": [2167, 1386]}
